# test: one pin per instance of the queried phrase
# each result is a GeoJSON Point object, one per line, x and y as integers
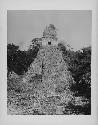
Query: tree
{"type": "Point", "coordinates": [11, 50]}
{"type": "Point", "coordinates": [19, 61]}
{"type": "Point", "coordinates": [81, 71]}
{"type": "Point", "coordinates": [79, 64]}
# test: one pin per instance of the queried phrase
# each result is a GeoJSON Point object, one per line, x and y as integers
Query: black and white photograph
{"type": "Point", "coordinates": [49, 62]}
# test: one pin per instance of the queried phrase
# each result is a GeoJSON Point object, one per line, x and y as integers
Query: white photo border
{"type": "Point", "coordinates": [47, 5]}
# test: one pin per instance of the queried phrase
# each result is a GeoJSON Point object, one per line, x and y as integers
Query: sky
{"type": "Point", "coordinates": [74, 27]}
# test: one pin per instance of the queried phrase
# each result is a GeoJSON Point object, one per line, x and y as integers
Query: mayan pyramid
{"type": "Point", "coordinates": [45, 89]}
{"type": "Point", "coordinates": [52, 91]}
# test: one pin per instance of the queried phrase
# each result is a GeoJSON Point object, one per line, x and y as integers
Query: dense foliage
{"type": "Point", "coordinates": [19, 61]}
{"type": "Point", "coordinates": [79, 65]}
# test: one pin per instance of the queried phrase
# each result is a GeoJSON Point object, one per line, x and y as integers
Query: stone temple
{"type": "Point", "coordinates": [53, 91]}
{"type": "Point", "coordinates": [47, 82]}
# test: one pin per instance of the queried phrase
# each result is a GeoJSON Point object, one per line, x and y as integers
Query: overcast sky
{"type": "Point", "coordinates": [74, 27]}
